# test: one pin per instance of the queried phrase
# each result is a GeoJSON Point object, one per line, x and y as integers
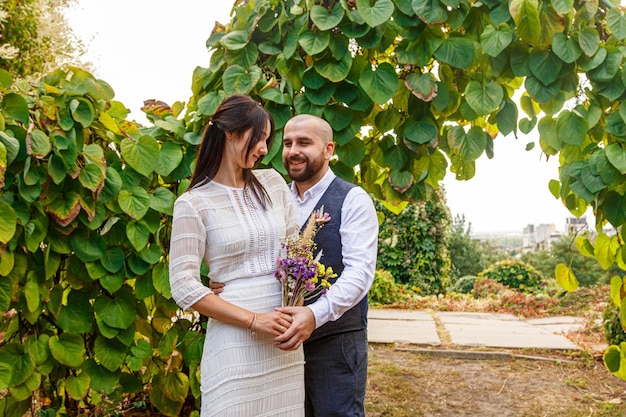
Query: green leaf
{"type": "Point", "coordinates": [483, 99]}
{"type": "Point", "coordinates": [605, 249]}
{"type": "Point", "coordinates": [380, 85]}
{"type": "Point", "coordinates": [525, 14]}
{"type": "Point", "coordinates": [545, 66]}
{"type": "Point", "coordinates": [400, 180]}
{"type": "Point", "coordinates": [352, 153]}
{"type": "Point", "coordinates": [421, 131]}
{"type": "Point", "coordinates": [617, 284]}
{"type": "Point", "coordinates": [167, 390]}
{"type": "Point", "coordinates": [565, 277]}
{"type": "Point", "coordinates": [210, 102]}
{"type": "Point", "coordinates": [423, 86]}
{"type": "Point", "coordinates": [88, 246]}
{"type": "Point", "coordinates": [8, 221]}
{"type": "Point", "coordinates": [163, 201]}
{"type": "Point", "coordinates": [82, 111]}
{"type": "Point", "coordinates": [16, 107]}
{"type": "Point", "coordinates": [325, 21]}
{"type": "Point", "coordinates": [377, 14]}
{"type": "Point", "coordinates": [456, 51]}
{"type": "Point", "coordinates": [161, 279]}
{"type": "Point", "coordinates": [141, 349]}
{"type": "Point", "coordinates": [77, 315]}
{"type": "Point", "coordinates": [102, 380]}
{"type": "Point", "coordinates": [77, 386]}
{"type": "Point", "coordinates": [506, 117]}
{"type": "Point", "coordinates": [540, 92]}
{"type": "Point", "coordinates": [238, 80]}
{"type": "Point", "coordinates": [113, 259]}
{"type": "Point", "coordinates": [430, 11]}
{"type": "Point", "coordinates": [118, 312]}
{"type": "Point", "coordinates": [562, 6]}
{"type": "Point", "coordinates": [40, 144]}
{"type": "Point", "coordinates": [109, 353]}
{"type": "Point", "coordinates": [138, 234]}
{"type": "Point", "coordinates": [68, 349]}
{"type": "Point", "coordinates": [333, 70]}
{"type": "Point", "coordinates": [314, 43]}
{"type": "Point", "coordinates": [565, 48]}
{"type": "Point", "coordinates": [12, 146]}
{"type": "Point", "coordinates": [338, 116]}
{"type": "Point", "coordinates": [616, 156]}
{"type": "Point", "coordinates": [468, 145]}
{"type": "Point", "coordinates": [135, 202]}
{"type": "Point", "coordinates": [6, 79]}
{"type": "Point", "coordinates": [616, 23]}
{"type": "Point", "coordinates": [235, 40]}
{"type": "Point", "coordinates": [495, 40]}
{"type": "Point", "coordinates": [142, 155]}
{"type": "Point", "coordinates": [571, 128]}
{"type": "Point", "coordinates": [38, 349]}
{"type": "Point", "coordinates": [91, 177]}
{"type": "Point", "coordinates": [589, 41]}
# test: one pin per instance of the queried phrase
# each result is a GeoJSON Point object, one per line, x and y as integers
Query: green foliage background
{"type": "Point", "coordinates": [412, 88]}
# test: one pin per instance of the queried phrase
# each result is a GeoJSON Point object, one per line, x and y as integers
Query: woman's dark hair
{"type": "Point", "coordinates": [236, 115]}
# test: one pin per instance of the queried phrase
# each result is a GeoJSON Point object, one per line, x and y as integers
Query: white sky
{"type": "Point", "coordinates": [148, 49]}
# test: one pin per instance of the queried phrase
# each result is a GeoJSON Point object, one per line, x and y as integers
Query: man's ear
{"type": "Point", "coordinates": [329, 150]}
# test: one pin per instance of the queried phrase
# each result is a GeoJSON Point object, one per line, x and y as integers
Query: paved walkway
{"type": "Point", "coordinates": [470, 329]}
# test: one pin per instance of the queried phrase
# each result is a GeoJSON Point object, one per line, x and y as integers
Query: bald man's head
{"type": "Point", "coordinates": [322, 127]}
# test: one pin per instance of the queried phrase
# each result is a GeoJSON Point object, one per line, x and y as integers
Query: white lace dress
{"type": "Point", "coordinates": [241, 374]}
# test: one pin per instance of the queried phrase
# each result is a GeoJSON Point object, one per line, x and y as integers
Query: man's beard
{"type": "Point", "coordinates": [311, 168]}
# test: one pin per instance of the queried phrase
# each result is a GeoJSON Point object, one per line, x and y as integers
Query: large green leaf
{"type": "Point", "coordinates": [314, 43]}
{"type": "Point", "coordinates": [616, 156]}
{"type": "Point", "coordinates": [40, 144]}
{"type": "Point", "coordinates": [430, 11]}
{"type": "Point", "coordinates": [12, 146]}
{"type": "Point", "coordinates": [163, 201]}
{"type": "Point", "coordinates": [110, 353]}
{"type": "Point", "coordinates": [616, 21]}
{"type": "Point", "coordinates": [113, 259]}
{"type": "Point", "coordinates": [605, 249]}
{"type": "Point", "coordinates": [421, 131]}
{"type": "Point", "coordinates": [423, 86]}
{"type": "Point", "coordinates": [238, 80]}
{"type": "Point", "coordinates": [77, 315]}
{"type": "Point", "coordinates": [38, 348]}
{"type": "Point", "coordinates": [333, 70]}
{"type": "Point", "coordinates": [68, 349]}
{"type": "Point", "coordinates": [589, 41]}
{"type": "Point", "coordinates": [565, 48]}
{"type": "Point", "coordinates": [484, 99]}
{"type": "Point", "coordinates": [16, 107]}
{"type": "Point", "coordinates": [235, 40]}
{"type": "Point", "coordinates": [456, 51]}
{"type": "Point", "coordinates": [102, 380]}
{"type": "Point", "coordinates": [565, 277]}
{"type": "Point", "coordinates": [92, 177]}
{"type": "Point", "coordinates": [167, 390]}
{"type": "Point", "coordinates": [118, 312]}
{"type": "Point", "coordinates": [352, 153]}
{"type": "Point", "coordinates": [571, 128]}
{"type": "Point", "coordinates": [135, 202]}
{"type": "Point", "coordinates": [138, 234]}
{"type": "Point", "coordinates": [142, 155]}
{"type": "Point", "coordinates": [525, 14]}
{"type": "Point", "coordinates": [376, 14]}
{"type": "Point", "coordinates": [161, 279]}
{"type": "Point", "coordinates": [82, 111]}
{"type": "Point", "coordinates": [8, 220]}
{"type": "Point", "coordinates": [506, 118]}
{"type": "Point", "coordinates": [468, 145]}
{"type": "Point", "coordinates": [495, 40]}
{"type": "Point", "coordinates": [210, 102]}
{"type": "Point", "coordinates": [88, 246]}
{"type": "Point", "coordinates": [545, 66]}
{"type": "Point", "coordinates": [77, 386]}
{"type": "Point", "coordinates": [325, 20]}
{"type": "Point", "coordinates": [380, 85]}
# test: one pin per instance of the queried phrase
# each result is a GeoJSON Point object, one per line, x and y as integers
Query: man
{"type": "Point", "coordinates": [332, 327]}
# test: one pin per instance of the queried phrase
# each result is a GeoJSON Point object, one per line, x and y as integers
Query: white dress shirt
{"type": "Point", "coordinates": [359, 238]}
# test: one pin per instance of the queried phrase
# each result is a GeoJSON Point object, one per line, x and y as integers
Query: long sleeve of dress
{"type": "Point", "coordinates": [186, 251]}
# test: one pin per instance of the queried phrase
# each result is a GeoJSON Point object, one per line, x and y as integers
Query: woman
{"type": "Point", "coordinates": [234, 218]}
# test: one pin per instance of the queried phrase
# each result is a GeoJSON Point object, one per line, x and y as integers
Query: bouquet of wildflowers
{"type": "Point", "coordinates": [301, 275]}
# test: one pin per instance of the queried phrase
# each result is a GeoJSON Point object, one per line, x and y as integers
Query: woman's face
{"type": "Point", "coordinates": [240, 145]}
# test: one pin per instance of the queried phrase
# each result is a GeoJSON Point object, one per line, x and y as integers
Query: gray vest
{"type": "Point", "coordinates": [328, 239]}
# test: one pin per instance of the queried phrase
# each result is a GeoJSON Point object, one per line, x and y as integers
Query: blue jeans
{"type": "Point", "coordinates": [335, 375]}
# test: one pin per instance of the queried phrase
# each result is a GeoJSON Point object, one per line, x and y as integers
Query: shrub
{"type": "Point", "coordinates": [515, 274]}
{"type": "Point", "coordinates": [484, 288]}
{"type": "Point", "coordinates": [384, 289]}
{"type": "Point", "coordinates": [465, 284]}
{"type": "Point", "coordinates": [613, 330]}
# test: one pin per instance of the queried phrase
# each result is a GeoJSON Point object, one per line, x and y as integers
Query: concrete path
{"type": "Point", "coordinates": [469, 329]}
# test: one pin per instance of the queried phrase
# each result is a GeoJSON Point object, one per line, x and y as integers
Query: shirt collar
{"type": "Point", "coordinates": [318, 189]}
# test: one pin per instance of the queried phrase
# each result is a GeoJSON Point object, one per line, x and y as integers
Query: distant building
{"type": "Point", "coordinates": [539, 237]}
{"type": "Point", "coordinates": [575, 225]}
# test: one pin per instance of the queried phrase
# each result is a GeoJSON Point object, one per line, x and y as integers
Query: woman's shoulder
{"type": "Point", "coordinates": [269, 176]}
